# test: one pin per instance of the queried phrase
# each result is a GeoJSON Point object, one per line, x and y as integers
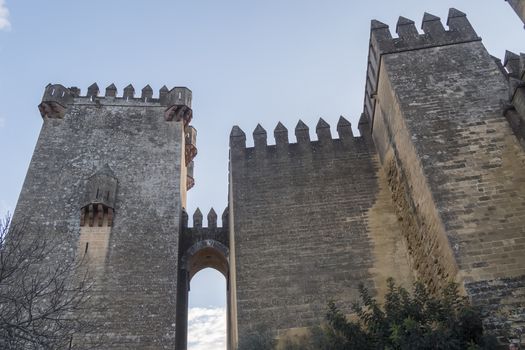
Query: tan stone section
{"type": "Point", "coordinates": [93, 247]}
{"type": "Point", "coordinates": [389, 247]}
{"type": "Point", "coordinates": [430, 254]}
{"type": "Point", "coordinates": [491, 233]}
{"type": "Point", "coordinates": [292, 335]}
{"type": "Point", "coordinates": [183, 172]}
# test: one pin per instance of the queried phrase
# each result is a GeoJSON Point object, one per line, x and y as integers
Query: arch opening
{"type": "Point", "coordinates": [207, 257]}
{"type": "Point", "coordinates": [207, 311]}
{"type": "Point", "coordinates": [201, 267]}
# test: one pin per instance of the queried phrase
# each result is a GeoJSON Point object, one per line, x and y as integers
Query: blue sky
{"type": "Point", "coordinates": [247, 62]}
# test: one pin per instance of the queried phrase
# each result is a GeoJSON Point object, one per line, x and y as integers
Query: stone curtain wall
{"type": "Point", "coordinates": [135, 290]}
{"type": "Point", "coordinates": [311, 220]}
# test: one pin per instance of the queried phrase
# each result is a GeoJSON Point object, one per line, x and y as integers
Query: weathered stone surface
{"type": "Point", "coordinates": [454, 167]}
{"type": "Point", "coordinates": [310, 221]}
{"type": "Point", "coordinates": [135, 260]}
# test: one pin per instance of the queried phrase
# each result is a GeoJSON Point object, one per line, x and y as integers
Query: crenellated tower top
{"type": "Point", "coordinates": [434, 34]}
{"type": "Point", "coordinates": [177, 101]}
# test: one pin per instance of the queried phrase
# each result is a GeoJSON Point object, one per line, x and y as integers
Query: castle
{"type": "Point", "coordinates": [433, 189]}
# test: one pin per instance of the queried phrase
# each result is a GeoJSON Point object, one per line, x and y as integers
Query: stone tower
{"type": "Point", "coordinates": [109, 177]}
{"type": "Point", "coordinates": [435, 105]}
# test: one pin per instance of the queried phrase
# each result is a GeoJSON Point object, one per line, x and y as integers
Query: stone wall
{"type": "Point", "coordinates": [311, 220]}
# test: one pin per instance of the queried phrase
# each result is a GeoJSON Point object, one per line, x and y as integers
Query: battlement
{"type": "Point", "coordinates": [514, 109]}
{"type": "Point", "coordinates": [211, 217]}
{"type": "Point", "coordinates": [203, 247]}
{"type": "Point", "coordinates": [434, 34]}
{"type": "Point", "coordinates": [325, 140]}
{"type": "Point", "coordinates": [515, 65]}
{"type": "Point", "coordinates": [57, 98]}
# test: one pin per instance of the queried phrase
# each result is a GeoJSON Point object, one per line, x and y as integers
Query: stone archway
{"type": "Point", "coordinates": [206, 253]}
{"type": "Point", "coordinates": [200, 248]}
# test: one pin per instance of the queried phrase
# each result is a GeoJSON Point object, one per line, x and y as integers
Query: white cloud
{"type": "Point", "coordinates": [4, 16]}
{"type": "Point", "coordinates": [207, 328]}
{"type": "Point", "coordinates": [2, 122]}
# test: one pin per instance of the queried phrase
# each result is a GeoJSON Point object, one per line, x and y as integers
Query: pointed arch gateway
{"type": "Point", "coordinates": [200, 248]}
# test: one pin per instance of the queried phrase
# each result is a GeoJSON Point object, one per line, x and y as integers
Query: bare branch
{"type": "Point", "coordinates": [41, 300]}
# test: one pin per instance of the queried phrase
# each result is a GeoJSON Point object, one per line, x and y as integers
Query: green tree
{"type": "Point", "coordinates": [418, 321]}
